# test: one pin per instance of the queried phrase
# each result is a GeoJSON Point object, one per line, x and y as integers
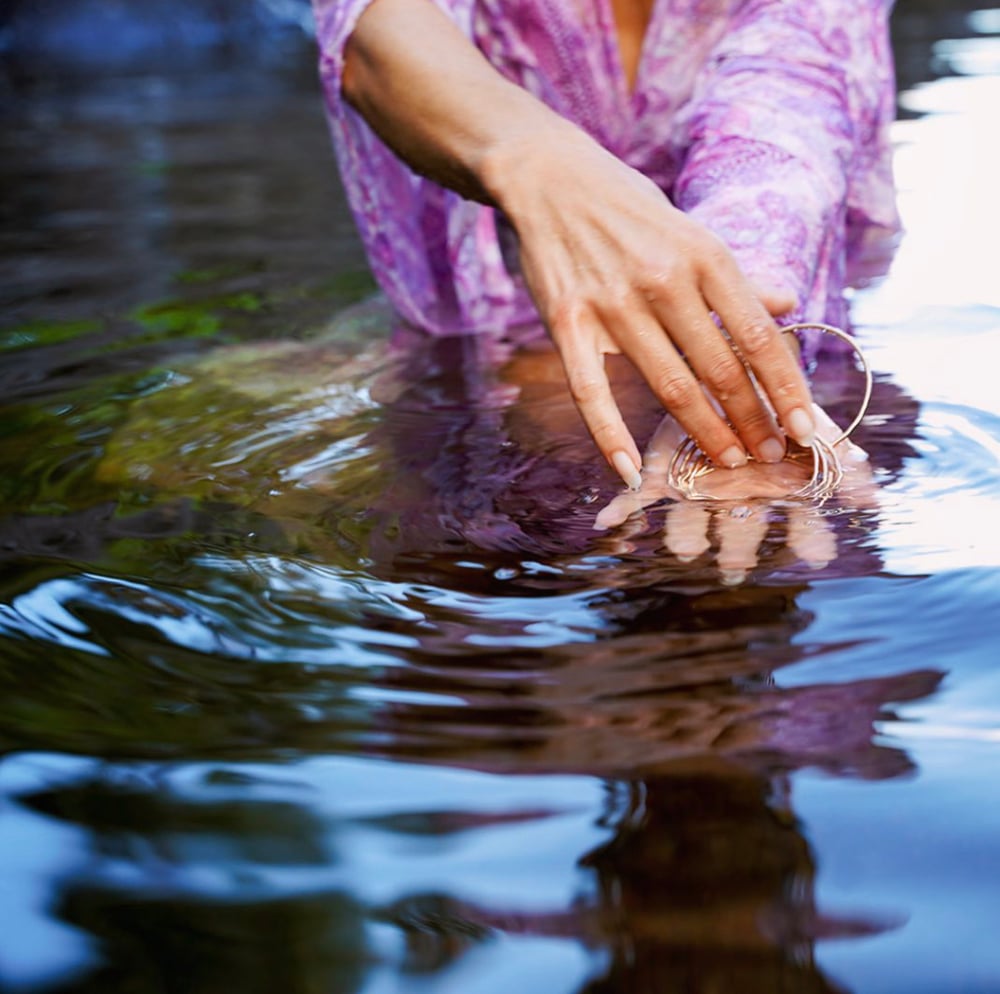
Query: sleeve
{"type": "Point", "coordinates": [435, 255]}
{"type": "Point", "coordinates": [784, 143]}
{"type": "Point", "coordinates": [336, 20]}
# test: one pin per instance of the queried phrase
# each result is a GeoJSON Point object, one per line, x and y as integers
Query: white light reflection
{"type": "Point", "coordinates": [947, 165]}
{"type": "Point", "coordinates": [934, 323]}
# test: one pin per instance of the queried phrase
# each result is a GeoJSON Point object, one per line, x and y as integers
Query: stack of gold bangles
{"type": "Point", "coordinates": [689, 464]}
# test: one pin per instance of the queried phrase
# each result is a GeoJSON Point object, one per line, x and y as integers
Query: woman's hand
{"type": "Point", "coordinates": [611, 264]}
{"type": "Point", "coordinates": [614, 268]}
{"type": "Point", "coordinates": [740, 510]}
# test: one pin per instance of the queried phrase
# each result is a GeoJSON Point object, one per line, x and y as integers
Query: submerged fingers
{"type": "Point", "coordinates": [685, 531]}
{"type": "Point", "coordinates": [736, 530]}
{"type": "Point", "coordinates": [810, 536]}
{"type": "Point", "coordinates": [740, 530]}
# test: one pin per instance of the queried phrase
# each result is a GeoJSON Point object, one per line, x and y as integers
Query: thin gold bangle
{"type": "Point", "coordinates": [689, 463]}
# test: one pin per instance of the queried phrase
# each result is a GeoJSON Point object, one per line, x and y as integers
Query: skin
{"type": "Point", "coordinates": [750, 503]}
{"type": "Point", "coordinates": [740, 516]}
{"type": "Point", "coordinates": [613, 267]}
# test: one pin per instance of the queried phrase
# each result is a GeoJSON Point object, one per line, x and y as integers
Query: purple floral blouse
{"type": "Point", "coordinates": [765, 119]}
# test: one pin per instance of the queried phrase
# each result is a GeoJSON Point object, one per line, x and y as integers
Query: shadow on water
{"type": "Point", "coordinates": [316, 673]}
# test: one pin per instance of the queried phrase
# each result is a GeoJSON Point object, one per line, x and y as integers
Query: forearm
{"type": "Point", "coordinates": [441, 106]}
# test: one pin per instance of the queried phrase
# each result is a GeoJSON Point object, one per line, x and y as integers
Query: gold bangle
{"type": "Point", "coordinates": [689, 463]}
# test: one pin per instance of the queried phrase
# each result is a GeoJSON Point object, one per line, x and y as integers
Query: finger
{"type": "Point", "coordinates": [656, 463]}
{"type": "Point", "coordinates": [857, 488]}
{"type": "Point", "coordinates": [759, 340]}
{"type": "Point", "coordinates": [620, 542]}
{"type": "Point", "coordinates": [741, 529]}
{"type": "Point", "coordinates": [588, 384]}
{"type": "Point", "coordinates": [621, 508]}
{"type": "Point", "coordinates": [810, 536]}
{"type": "Point", "coordinates": [850, 453]}
{"type": "Point", "coordinates": [723, 375]}
{"type": "Point", "coordinates": [685, 531]}
{"type": "Point", "coordinates": [776, 299]}
{"type": "Point", "coordinates": [673, 383]}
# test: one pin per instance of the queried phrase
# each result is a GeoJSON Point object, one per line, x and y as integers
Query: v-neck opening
{"type": "Point", "coordinates": [628, 87]}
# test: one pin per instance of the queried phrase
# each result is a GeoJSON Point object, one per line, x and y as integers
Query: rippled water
{"type": "Point", "coordinates": [316, 674]}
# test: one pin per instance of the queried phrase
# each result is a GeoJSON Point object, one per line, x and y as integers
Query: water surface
{"type": "Point", "coordinates": [316, 674]}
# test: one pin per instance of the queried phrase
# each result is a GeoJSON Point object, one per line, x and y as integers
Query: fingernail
{"type": "Point", "coordinates": [733, 457]}
{"type": "Point", "coordinates": [800, 426]}
{"type": "Point", "coordinates": [771, 450]}
{"type": "Point", "coordinates": [627, 469]}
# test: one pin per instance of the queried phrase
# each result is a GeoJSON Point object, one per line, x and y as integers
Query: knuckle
{"type": "Point", "coordinates": [725, 376]}
{"type": "Point", "coordinates": [566, 315]}
{"type": "Point", "coordinates": [756, 336]}
{"type": "Point", "coordinates": [617, 310]}
{"type": "Point", "coordinates": [755, 422]}
{"type": "Point", "coordinates": [787, 391]}
{"type": "Point", "coordinates": [586, 391]}
{"type": "Point", "coordinates": [709, 250]}
{"type": "Point", "coordinates": [605, 434]}
{"type": "Point", "coordinates": [664, 279]}
{"type": "Point", "coordinates": [675, 390]}
{"type": "Point", "coordinates": [713, 250]}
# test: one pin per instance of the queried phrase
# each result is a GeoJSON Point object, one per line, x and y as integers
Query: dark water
{"type": "Point", "coordinates": [315, 674]}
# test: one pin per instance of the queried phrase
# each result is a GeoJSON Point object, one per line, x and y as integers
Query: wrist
{"type": "Point", "coordinates": [520, 166]}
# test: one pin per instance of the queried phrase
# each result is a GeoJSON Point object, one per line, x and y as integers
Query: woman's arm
{"type": "Point", "coordinates": [785, 143]}
{"type": "Point", "coordinates": [611, 264]}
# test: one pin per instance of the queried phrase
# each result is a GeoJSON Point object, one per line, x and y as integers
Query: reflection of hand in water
{"type": "Point", "coordinates": [742, 503]}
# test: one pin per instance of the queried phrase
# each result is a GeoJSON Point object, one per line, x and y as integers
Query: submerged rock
{"type": "Point", "coordinates": [253, 423]}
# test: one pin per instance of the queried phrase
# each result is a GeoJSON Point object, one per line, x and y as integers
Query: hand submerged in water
{"type": "Point", "coordinates": [741, 505]}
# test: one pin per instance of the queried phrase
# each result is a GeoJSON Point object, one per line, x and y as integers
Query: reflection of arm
{"type": "Point", "coordinates": [785, 141]}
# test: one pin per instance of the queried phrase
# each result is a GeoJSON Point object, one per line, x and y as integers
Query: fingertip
{"type": "Point", "coordinates": [732, 458]}
{"type": "Point", "coordinates": [801, 426]}
{"type": "Point", "coordinates": [627, 468]}
{"type": "Point", "coordinates": [771, 450]}
{"type": "Point", "coordinates": [733, 576]}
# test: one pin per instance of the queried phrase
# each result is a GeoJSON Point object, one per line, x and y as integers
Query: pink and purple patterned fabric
{"type": "Point", "coordinates": [765, 119]}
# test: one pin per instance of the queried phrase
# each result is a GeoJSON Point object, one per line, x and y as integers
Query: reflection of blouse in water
{"type": "Point", "coordinates": [765, 119]}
